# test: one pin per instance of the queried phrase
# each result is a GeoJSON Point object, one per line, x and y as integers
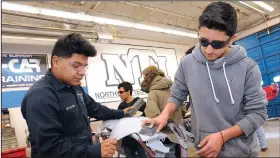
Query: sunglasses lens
{"type": "Point", "coordinates": [218, 44]}
{"type": "Point", "coordinates": [204, 42]}
{"type": "Point", "coordinates": [215, 44]}
{"type": "Point", "coordinates": [121, 92]}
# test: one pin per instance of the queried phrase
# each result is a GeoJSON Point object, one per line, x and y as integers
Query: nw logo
{"type": "Point", "coordinates": [129, 67]}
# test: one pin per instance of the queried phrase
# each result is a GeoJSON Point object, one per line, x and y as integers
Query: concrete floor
{"type": "Point", "coordinates": [272, 132]}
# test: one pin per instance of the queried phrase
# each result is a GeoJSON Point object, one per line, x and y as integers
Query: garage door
{"type": "Point", "coordinates": [264, 48]}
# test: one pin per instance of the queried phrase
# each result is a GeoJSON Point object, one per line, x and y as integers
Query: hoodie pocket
{"type": "Point", "coordinates": [244, 148]}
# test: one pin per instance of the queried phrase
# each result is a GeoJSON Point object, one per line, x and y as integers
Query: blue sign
{"type": "Point", "coordinates": [20, 70]}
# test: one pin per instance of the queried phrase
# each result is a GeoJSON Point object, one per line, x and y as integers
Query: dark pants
{"type": "Point", "coordinates": [134, 150]}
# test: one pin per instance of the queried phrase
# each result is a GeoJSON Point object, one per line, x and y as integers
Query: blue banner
{"type": "Point", "coordinates": [20, 70]}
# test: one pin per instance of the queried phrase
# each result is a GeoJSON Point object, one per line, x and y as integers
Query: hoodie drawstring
{"type": "Point", "coordinates": [213, 89]}
{"type": "Point", "coordinates": [229, 90]}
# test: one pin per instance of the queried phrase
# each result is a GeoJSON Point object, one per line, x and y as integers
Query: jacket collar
{"type": "Point", "coordinates": [55, 81]}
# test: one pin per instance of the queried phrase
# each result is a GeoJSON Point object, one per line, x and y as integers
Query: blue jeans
{"type": "Point", "coordinates": [261, 137]}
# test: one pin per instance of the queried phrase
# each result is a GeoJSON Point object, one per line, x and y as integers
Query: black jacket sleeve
{"type": "Point", "coordinates": [142, 109]}
{"type": "Point", "coordinates": [121, 106]}
{"type": "Point", "coordinates": [41, 110]}
{"type": "Point", "coordinates": [101, 112]}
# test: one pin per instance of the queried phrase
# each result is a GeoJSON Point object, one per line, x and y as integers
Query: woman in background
{"type": "Point", "coordinates": [158, 88]}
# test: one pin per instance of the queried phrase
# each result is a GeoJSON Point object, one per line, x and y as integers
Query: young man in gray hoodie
{"type": "Point", "coordinates": [228, 102]}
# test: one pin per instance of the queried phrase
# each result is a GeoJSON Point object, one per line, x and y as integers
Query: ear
{"type": "Point", "coordinates": [55, 61]}
{"type": "Point", "coordinates": [232, 39]}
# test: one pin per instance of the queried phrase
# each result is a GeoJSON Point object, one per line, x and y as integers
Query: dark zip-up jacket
{"type": "Point", "coordinates": [57, 116]}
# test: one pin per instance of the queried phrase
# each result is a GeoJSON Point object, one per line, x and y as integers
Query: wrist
{"type": "Point", "coordinates": [222, 136]}
{"type": "Point", "coordinates": [164, 116]}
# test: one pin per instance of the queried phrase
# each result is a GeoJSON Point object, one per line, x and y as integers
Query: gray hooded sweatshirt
{"type": "Point", "coordinates": [224, 92]}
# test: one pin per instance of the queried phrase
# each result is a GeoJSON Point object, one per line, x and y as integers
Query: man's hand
{"type": "Point", "coordinates": [127, 109]}
{"type": "Point", "coordinates": [211, 145]}
{"type": "Point", "coordinates": [108, 147]}
{"type": "Point", "coordinates": [161, 121]}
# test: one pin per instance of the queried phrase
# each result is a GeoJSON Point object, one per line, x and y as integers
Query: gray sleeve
{"type": "Point", "coordinates": [179, 89]}
{"type": "Point", "coordinates": [255, 102]}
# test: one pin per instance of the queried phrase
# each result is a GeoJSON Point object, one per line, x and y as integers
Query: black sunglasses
{"type": "Point", "coordinates": [121, 92]}
{"type": "Point", "coordinates": [215, 44]}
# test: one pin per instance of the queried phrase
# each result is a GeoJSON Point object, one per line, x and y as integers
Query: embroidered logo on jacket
{"type": "Point", "coordinates": [70, 107]}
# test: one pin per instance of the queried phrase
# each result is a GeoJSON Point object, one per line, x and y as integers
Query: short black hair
{"type": "Point", "coordinates": [219, 16]}
{"type": "Point", "coordinates": [73, 43]}
{"type": "Point", "coordinates": [189, 51]}
{"type": "Point", "coordinates": [126, 86]}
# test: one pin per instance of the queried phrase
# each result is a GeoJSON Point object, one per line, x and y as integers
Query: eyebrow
{"type": "Point", "coordinates": [76, 62]}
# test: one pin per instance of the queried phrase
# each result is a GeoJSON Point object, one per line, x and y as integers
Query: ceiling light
{"type": "Point", "coordinates": [20, 8]}
{"type": "Point", "coordinates": [264, 5]}
{"type": "Point", "coordinates": [101, 20]}
{"type": "Point", "coordinates": [89, 18]}
{"type": "Point", "coordinates": [28, 38]}
{"type": "Point", "coordinates": [251, 7]}
{"type": "Point", "coordinates": [148, 27]}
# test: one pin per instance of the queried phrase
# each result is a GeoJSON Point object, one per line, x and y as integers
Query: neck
{"type": "Point", "coordinates": [55, 73]}
{"type": "Point", "coordinates": [225, 53]}
{"type": "Point", "coordinates": [129, 99]}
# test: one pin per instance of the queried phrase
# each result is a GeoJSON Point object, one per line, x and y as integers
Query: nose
{"type": "Point", "coordinates": [82, 71]}
{"type": "Point", "coordinates": [209, 49]}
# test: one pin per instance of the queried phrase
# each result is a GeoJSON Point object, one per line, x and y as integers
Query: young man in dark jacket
{"type": "Point", "coordinates": [130, 146]}
{"type": "Point", "coordinates": [56, 108]}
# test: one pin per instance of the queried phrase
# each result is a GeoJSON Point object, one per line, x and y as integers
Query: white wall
{"type": "Point", "coordinates": [11, 45]}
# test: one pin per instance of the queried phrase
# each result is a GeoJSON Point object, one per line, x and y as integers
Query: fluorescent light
{"type": "Point", "coordinates": [276, 79]}
{"type": "Point", "coordinates": [148, 27]}
{"type": "Point", "coordinates": [101, 20]}
{"type": "Point", "coordinates": [180, 33]}
{"type": "Point", "coordinates": [89, 18]}
{"type": "Point", "coordinates": [28, 38]}
{"type": "Point", "coordinates": [20, 8]}
{"type": "Point", "coordinates": [264, 5]}
{"type": "Point", "coordinates": [63, 14]}
{"type": "Point", "coordinates": [251, 7]}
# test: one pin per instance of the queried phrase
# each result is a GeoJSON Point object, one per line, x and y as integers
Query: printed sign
{"type": "Point", "coordinates": [117, 63]}
{"type": "Point", "coordinates": [20, 70]}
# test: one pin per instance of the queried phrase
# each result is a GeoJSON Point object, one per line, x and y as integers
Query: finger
{"type": "Point", "coordinates": [111, 152]}
{"type": "Point", "coordinates": [216, 154]}
{"type": "Point", "coordinates": [209, 151]}
{"type": "Point", "coordinates": [212, 154]}
{"type": "Point", "coordinates": [147, 121]}
{"type": "Point", "coordinates": [204, 141]}
{"type": "Point", "coordinates": [203, 150]}
{"type": "Point", "coordinates": [113, 147]}
{"type": "Point", "coordinates": [112, 141]}
{"type": "Point", "coordinates": [160, 126]}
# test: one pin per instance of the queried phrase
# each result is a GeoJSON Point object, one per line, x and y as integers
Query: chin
{"type": "Point", "coordinates": [75, 83]}
{"type": "Point", "coordinates": [211, 58]}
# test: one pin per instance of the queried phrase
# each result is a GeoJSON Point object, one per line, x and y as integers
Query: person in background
{"type": "Point", "coordinates": [130, 146]}
{"type": "Point", "coordinates": [189, 51]}
{"type": "Point", "coordinates": [228, 102]}
{"type": "Point", "coordinates": [158, 88]}
{"type": "Point", "coordinates": [57, 109]}
{"type": "Point", "coordinates": [186, 106]}
{"type": "Point", "coordinates": [262, 140]}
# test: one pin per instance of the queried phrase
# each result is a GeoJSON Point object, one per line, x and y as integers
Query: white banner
{"type": "Point", "coordinates": [117, 63]}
